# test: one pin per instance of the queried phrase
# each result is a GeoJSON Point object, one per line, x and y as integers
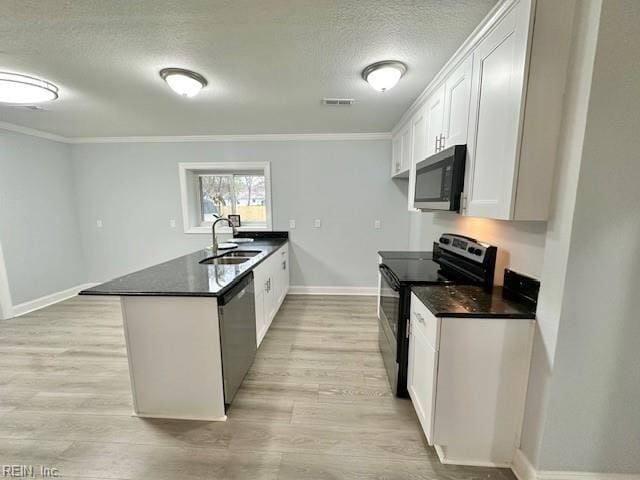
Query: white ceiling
{"type": "Point", "coordinates": [268, 62]}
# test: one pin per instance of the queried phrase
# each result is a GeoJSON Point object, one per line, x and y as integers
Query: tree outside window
{"type": "Point", "coordinates": [240, 194]}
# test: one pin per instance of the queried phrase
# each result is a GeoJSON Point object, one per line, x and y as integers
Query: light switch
{"type": "Point", "coordinates": [317, 223]}
{"type": "Point", "coordinates": [292, 224]}
{"type": "Point", "coordinates": [99, 223]}
{"type": "Point", "coordinates": [376, 224]}
{"type": "Point", "coordinates": [172, 223]}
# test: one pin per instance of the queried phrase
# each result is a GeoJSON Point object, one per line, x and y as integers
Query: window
{"type": "Point", "coordinates": [212, 190]}
{"type": "Point", "coordinates": [240, 194]}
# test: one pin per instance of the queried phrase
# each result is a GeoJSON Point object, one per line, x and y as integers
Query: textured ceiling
{"type": "Point", "coordinates": [268, 62]}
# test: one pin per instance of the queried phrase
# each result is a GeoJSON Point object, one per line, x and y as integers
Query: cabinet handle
{"type": "Point", "coordinates": [437, 143]}
{"type": "Point", "coordinates": [284, 265]}
{"type": "Point", "coordinates": [419, 317]}
{"type": "Point", "coordinates": [442, 142]}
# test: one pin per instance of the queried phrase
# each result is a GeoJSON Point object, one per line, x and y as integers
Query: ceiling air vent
{"type": "Point", "coordinates": [338, 101]}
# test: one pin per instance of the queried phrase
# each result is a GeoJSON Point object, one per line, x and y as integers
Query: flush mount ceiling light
{"type": "Point", "coordinates": [383, 76]}
{"type": "Point", "coordinates": [183, 82]}
{"type": "Point", "coordinates": [18, 89]}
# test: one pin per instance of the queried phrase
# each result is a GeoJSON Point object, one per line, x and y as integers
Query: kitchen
{"type": "Point", "coordinates": [499, 322]}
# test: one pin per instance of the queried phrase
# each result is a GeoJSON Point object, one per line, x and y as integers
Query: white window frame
{"type": "Point", "coordinates": [190, 195]}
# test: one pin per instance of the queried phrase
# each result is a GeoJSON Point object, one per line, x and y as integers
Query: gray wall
{"type": "Point", "coordinates": [133, 188]}
{"type": "Point", "coordinates": [593, 421]}
{"type": "Point", "coordinates": [38, 223]}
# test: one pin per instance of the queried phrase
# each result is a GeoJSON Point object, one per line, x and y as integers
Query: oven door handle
{"type": "Point", "coordinates": [390, 277]}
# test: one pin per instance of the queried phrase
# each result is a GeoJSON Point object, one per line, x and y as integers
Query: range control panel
{"type": "Point", "coordinates": [465, 246]}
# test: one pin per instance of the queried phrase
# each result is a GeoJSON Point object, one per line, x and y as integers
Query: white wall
{"type": "Point", "coordinates": [133, 188]}
{"type": "Point", "coordinates": [520, 244]}
{"type": "Point", "coordinates": [593, 421]}
{"type": "Point", "coordinates": [38, 223]}
{"type": "Point", "coordinates": [559, 230]}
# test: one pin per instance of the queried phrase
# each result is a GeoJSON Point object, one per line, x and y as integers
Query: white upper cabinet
{"type": "Point", "coordinates": [501, 94]}
{"type": "Point", "coordinates": [396, 155]}
{"type": "Point", "coordinates": [457, 95]}
{"type": "Point", "coordinates": [419, 136]}
{"type": "Point", "coordinates": [496, 106]}
{"type": "Point", "coordinates": [401, 148]}
{"type": "Point", "coordinates": [435, 119]}
{"type": "Point", "coordinates": [418, 147]}
{"type": "Point", "coordinates": [407, 149]}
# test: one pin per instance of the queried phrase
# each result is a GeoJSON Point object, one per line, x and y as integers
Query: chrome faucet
{"type": "Point", "coordinates": [214, 245]}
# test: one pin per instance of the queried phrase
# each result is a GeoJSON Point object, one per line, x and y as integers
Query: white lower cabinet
{"type": "Point", "coordinates": [271, 284]}
{"type": "Point", "coordinates": [467, 381]}
{"type": "Point", "coordinates": [421, 378]}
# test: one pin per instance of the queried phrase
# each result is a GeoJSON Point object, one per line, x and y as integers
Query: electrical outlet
{"type": "Point", "coordinates": [99, 223]}
{"type": "Point", "coordinates": [317, 223]}
{"type": "Point", "coordinates": [172, 223]}
{"type": "Point", "coordinates": [292, 224]}
{"type": "Point", "coordinates": [376, 224]}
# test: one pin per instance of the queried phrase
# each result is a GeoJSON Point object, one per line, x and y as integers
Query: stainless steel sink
{"type": "Point", "coordinates": [231, 258]}
{"type": "Point", "coordinates": [224, 260]}
{"type": "Point", "coordinates": [241, 254]}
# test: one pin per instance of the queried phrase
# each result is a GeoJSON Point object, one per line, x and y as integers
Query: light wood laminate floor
{"type": "Point", "coordinates": [315, 405]}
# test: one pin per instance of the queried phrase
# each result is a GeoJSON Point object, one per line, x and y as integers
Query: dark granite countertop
{"type": "Point", "coordinates": [186, 277]}
{"type": "Point", "coordinates": [404, 255]}
{"type": "Point", "coordinates": [470, 301]}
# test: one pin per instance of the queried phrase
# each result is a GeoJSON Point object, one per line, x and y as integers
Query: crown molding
{"type": "Point", "coordinates": [33, 132]}
{"type": "Point", "coordinates": [266, 137]}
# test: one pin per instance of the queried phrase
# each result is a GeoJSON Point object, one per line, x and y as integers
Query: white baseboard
{"type": "Point", "coordinates": [567, 475]}
{"type": "Point", "coordinates": [300, 290]}
{"type": "Point", "coordinates": [181, 417]}
{"type": "Point", "coordinates": [523, 470]}
{"type": "Point", "coordinates": [38, 303]}
{"type": "Point", "coordinates": [521, 466]}
{"type": "Point", "coordinates": [468, 463]}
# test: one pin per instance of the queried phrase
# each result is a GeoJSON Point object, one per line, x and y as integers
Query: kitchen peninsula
{"type": "Point", "coordinates": [193, 324]}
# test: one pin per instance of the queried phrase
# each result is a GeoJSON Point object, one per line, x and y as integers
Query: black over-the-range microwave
{"type": "Point", "coordinates": [440, 180]}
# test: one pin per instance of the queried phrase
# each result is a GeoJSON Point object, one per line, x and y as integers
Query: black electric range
{"type": "Point", "coordinates": [455, 260]}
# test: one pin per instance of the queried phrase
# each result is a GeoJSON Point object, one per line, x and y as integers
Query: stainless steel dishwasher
{"type": "Point", "coordinates": [237, 316]}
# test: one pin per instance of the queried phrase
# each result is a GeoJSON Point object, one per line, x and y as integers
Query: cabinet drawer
{"type": "Point", "coordinates": [424, 321]}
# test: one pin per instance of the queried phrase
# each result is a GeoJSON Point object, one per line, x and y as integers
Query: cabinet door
{"type": "Point", "coordinates": [435, 118]}
{"type": "Point", "coordinates": [396, 155]}
{"type": "Point", "coordinates": [407, 144]}
{"type": "Point", "coordinates": [421, 380]}
{"type": "Point", "coordinates": [270, 297]}
{"type": "Point", "coordinates": [286, 280]}
{"type": "Point", "coordinates": [259, 282]}
{"type": "Point", "coordinates": [281, 275]}
{"type": "Point", "coordinates": [496, 108]}
{"type": "Point", "coordinates": [418, 149]}
{"type": "Point", "coordinates": [419, 136]}
{"type": "Point", "coordinates": [457, 96]}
